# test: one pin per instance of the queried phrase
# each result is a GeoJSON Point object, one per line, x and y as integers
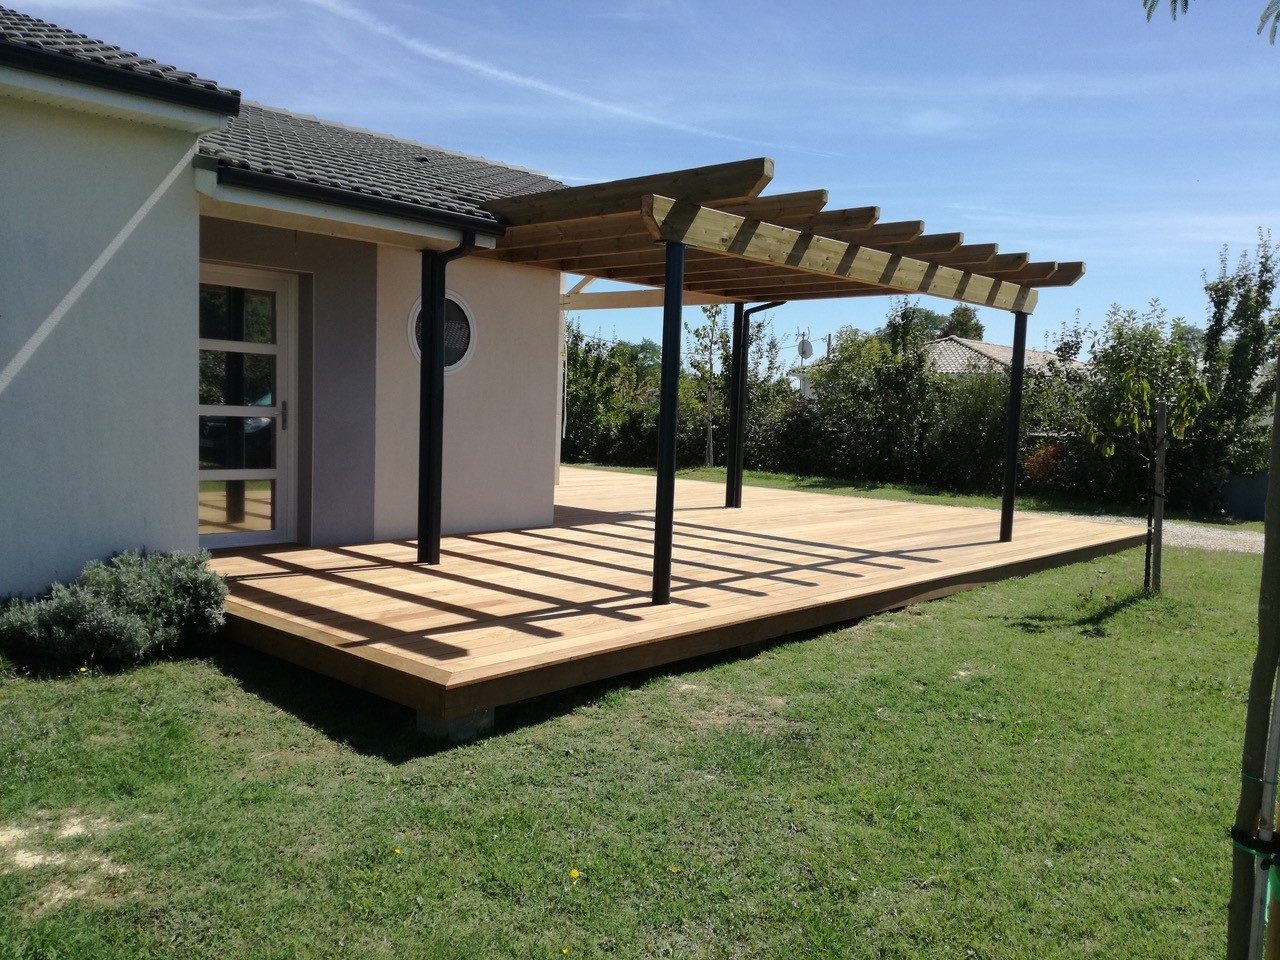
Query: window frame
{"type": "Point", "coordinates": [467, 312]}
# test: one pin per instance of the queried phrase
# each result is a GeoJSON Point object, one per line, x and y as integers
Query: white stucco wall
{"type": "Point", "coordinates": [500, 447]}
{"type": "Point", "coordinates": [97, 429]}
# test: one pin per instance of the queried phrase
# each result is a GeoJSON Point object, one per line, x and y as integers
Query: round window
{"type": "Point", "coordinates": [457, 332]}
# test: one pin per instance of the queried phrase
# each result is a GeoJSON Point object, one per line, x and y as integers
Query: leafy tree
{"type": "Point", "coordinates": [963, 322]}
{"type": "Point", "coordinates": [1270, 13]}
{"type": "Point", "coordinates": [910, 321]}
{"type": "Point", "coordinates": [1237, 350]}
{"type": "Point", "coordinates": [709, 356]}
{"type": "Point", "coordinates": [592, 395]}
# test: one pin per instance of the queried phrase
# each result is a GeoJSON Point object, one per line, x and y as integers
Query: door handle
{"type": "Point", "coordinates": [284, 414]}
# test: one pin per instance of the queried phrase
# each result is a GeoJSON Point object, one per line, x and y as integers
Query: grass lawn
{"type": "Point", "coordinates": [1043, 768]}
{"type": "Point", "coordinates": [921, 494]}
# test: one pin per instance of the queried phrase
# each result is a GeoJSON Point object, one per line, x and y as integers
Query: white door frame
{"type": "Point", "coordinates": [285, 506]}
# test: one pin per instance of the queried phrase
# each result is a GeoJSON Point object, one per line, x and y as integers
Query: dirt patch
{"type": "Point", "coordinates": [56, 845]}
{"type": "Point", "coordinates": [715, 709]}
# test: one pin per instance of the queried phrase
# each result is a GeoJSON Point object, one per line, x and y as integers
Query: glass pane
{"type": "Point", "coordinates": [237, 443]}
{"type": "Point", "coordinates": [457, 333]}
{"type": "Point", "coordinates": [259, 317]}
{"type": "Point", "coordinates": [230, 313]}
{"type": "Point", "coordinates": [235, 506]}
{"type": "Point", "coordinates": [215, 312]}
{"type": "Point", "coordinates": [237, 379]}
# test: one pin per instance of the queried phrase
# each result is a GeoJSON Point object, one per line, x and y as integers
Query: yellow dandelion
{"type": "Point", "coordinates": [84, 669]}
{"type": "Point", "coordinates": [674, 869]}
{"type": "Point", "coordinates": [574, 873]}
{"type": "Point", "coordinates": [397, 851]}
{"type": "Point", "coordinates": [565, 951]}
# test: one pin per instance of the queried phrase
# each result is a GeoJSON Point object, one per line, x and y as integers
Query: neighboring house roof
{"type": "Point", "coordinates": [956, 355]}
{"type": "Point", "coordinates": [290, 153]}
{"type": "Point", "coordinates": [31, 44]}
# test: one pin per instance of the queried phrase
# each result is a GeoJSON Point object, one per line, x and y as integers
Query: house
{"type": "Point", "coordinates": [333, 357]}
{"type": "Point", "coordinates": [138, 197]}
{"type": "Point", "coordinates": [954, 356]}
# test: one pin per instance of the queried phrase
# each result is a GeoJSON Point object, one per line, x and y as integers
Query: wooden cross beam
{"type": "Point", "coordinates": [740, 180]}
{"type": "Point", "coordinates": [777, 206]}
{"type": "Point", "coordinates": [715, 231]}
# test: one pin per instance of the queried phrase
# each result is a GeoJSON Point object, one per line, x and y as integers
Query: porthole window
{"type": "Point", "coordinates": [459, 332]}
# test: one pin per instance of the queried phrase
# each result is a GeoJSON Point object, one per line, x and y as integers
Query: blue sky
{"type": "Point", "coordinates": [1072, 130]}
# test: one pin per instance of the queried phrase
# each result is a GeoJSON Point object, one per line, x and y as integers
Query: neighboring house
{"type": "Point", "coordinates": [956, 356]}
{"type": "Point", "coordinates": [953, 357]}
{"type": "Point", "coordinates": [208, 320]}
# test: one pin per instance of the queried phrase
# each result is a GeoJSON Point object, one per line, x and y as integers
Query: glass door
{"type": "Point", "coordinates": [247, 322]}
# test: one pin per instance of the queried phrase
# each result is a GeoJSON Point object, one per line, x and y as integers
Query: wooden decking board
{"type": "Point", "coordinates": [513, 614]}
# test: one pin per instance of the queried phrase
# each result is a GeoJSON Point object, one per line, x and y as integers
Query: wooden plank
{"type": "Point", "coordinates": [625, 299]}
{"type": "Point", "coordinates": [803, 203]}
{"type": "Point", "coordinates": [712, 230]}
{"type": "Point", "coordinates": [926, 246]}
{"type": "Point", "coordinates": [739, 180]}
{"type": "Point", "coordinates": [1064, 276]}
{"type": "Point", "coordinates": [968, 255]}
{"type": "Point", "coordinates": [849, 218]}
{"type": "Point", "coordinates": [637, 247]}
{"type": "Point", "coordinates": [627, 224]}
{"type": "Point", "coordinates": [1029, 273]}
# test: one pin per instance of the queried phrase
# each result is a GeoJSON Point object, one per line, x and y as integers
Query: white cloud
{"type": "Point", "coordinates": [354, 14]}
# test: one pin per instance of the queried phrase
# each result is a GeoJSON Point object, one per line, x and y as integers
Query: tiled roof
{"type": "Point", "coordinates": [956, 355]}
{"type": "Point", "coordinates": [361, 165]}
{"type": "Point", "coordinates": [32, 44]}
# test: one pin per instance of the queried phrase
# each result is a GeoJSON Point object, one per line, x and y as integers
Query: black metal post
{"type": "Point", "coordinates": [1013, 425]}
{"type": "Point", "coordinates": [737, 404]}
{"type": "Point", "coordinates": [739, 384]}
{"type": "Point", "coordinates": [431, 397]}
{"type": "Point", "coordinates": [668, 422]}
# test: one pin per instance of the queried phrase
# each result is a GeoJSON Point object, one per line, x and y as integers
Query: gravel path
{"type": "Point", "coordinates": [1198, 535]}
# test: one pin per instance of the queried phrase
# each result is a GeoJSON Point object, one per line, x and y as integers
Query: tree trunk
{"type": "Point", "coordinates": [1244, 869]}
{"type": "Point", "coordinates": [1157, 496]}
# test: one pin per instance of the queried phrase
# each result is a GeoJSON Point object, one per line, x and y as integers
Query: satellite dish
{"type": "Point", "coordinates": [804, 348]}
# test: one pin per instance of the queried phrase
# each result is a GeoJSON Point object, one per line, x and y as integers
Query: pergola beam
{"type": "Point", "coordinates": [623, 299]}
{"type": "Point", "coordinates": [1064, 276]}
{"type": "Point", "coordinates": [635, 247]}
{"type": "Point", "coordinates": [739, 180]}
{"type": "Point", "coordinates": [777, 206]}
{"type": "Point", "coordinates": [677, 221]}
{"type": "Point", "coordinates": [850, 218]}
{"type": "Point", "coordinates": [969, 255]}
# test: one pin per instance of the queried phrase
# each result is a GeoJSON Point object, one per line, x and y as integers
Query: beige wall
{"type": "Point", "coordinates": [97, 430]}
{"type": "Point", "coordinates": [500, 446]}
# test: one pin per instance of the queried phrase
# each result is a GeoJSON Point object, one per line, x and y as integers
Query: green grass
{"type": "Point", "coordinates": [1044, 768]}
{"type": "Point", "coordinates": [918, 493]}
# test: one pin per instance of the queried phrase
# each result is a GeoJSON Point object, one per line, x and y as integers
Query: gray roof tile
{"type": "Point", "coordinates": [33, 44]}
{"type": "Point", "coordinates": [287, 145]}
{"type": "Point", "coordinates": [956, 355]}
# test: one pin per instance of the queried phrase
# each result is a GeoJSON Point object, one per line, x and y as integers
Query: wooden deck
{"type": "Point", "coordinates": [518, 613]}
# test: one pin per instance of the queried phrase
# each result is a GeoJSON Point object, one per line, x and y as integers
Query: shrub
{"type": "Point", "coordinates": [121, 611]}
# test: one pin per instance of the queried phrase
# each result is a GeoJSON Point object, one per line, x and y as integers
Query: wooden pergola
{"type": "Point", "coordinates": [707, 235]}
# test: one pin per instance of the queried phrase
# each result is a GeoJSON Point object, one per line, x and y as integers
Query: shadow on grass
{"type": "Point", "coordinates": [372, 726]}
{"type": "Point", "coordinates": [1093, 622]}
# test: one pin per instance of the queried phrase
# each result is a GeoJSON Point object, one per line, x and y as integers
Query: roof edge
{"type": "Point", "coordinates": [61, 65]}
{"type": "Point", "coordinates": [305, 190]}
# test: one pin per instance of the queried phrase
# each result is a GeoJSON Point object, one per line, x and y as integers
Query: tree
{"type": "Point", "coordinates": [963, 322]}
{"type": "Point", "coordinates": [1144, 384]}
{"type": "Point", "coordinates": [908, 320]}
{"type": "Point", "coordinates": [1236, 350]}
{"type": "Point", "coordinates": [1270, 13]}
{"type": "Point", "coordinates": [709, 358]}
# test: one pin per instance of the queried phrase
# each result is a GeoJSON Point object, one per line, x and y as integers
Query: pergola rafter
{"type": "Point", "coordinates": [709, 235]}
